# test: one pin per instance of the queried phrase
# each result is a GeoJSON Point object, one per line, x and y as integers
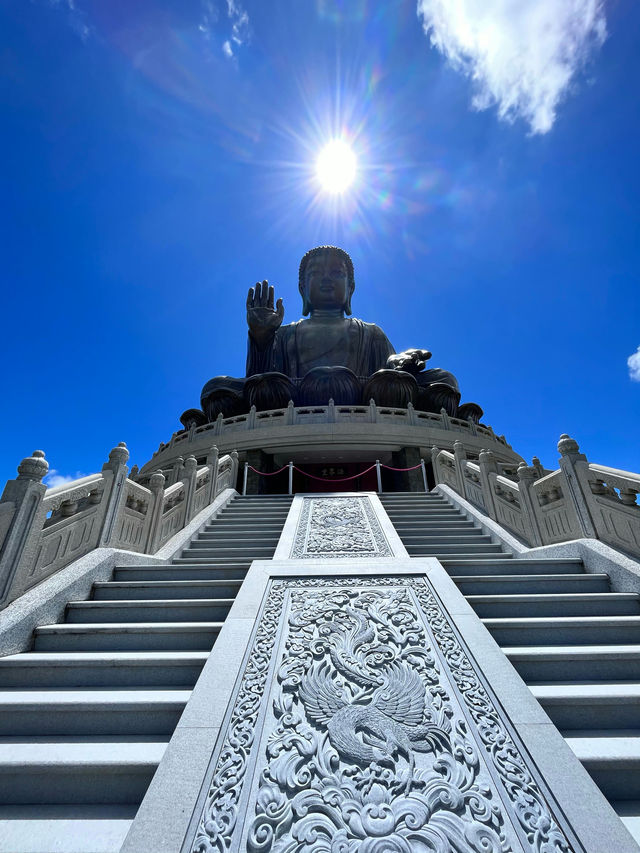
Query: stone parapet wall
{"type": "Point", "coordinates": [293, 429]}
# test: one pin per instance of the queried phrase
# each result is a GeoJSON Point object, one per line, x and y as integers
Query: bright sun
{"type": "Point", "coordinates": [336, 166]}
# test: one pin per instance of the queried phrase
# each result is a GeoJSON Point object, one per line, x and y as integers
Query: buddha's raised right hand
{"type": "Point", "coordinates": [262, 318]}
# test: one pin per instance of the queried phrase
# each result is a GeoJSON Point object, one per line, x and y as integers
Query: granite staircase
{"type": "Point", "coordinates": [574, 641]}
{"type": "Point", "coordinates": [87, 713]}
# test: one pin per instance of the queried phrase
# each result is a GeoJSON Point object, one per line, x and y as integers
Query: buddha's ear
{"type": "Point", "coordinates": [347, 304]}
{"type": "Point", "coordinates": [306, 305]}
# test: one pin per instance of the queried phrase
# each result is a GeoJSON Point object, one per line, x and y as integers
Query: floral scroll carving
{"type": "Point", "coordinates": [339, 527]}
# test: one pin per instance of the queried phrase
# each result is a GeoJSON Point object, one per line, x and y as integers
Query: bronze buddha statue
{"type": "Point", "coordinates": [330, 355]}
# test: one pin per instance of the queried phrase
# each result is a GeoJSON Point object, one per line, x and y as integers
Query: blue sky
{"type": "Point", "coordinates": [158, 158]}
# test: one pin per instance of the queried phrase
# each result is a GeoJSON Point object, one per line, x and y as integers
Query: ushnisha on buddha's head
{"type": "Point", "coordinates": [326, 281]}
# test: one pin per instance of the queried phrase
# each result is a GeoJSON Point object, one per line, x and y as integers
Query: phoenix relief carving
{"type": "Point", "coordinates": [360, 698]}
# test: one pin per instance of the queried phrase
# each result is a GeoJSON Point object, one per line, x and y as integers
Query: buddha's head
{"type": "Point", "coordinates": [326, 279]}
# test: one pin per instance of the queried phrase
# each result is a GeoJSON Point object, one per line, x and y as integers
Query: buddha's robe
{"type": "Point", "coordinates": [299, 347]}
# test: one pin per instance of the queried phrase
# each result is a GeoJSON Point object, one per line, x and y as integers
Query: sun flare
{"type": "Point", "coordinates": [336, 166]}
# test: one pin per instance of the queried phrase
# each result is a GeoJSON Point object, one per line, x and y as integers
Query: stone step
{"type": "Point", "coordinates": [495, 565]}
{"type": "Point", "coordinates": [629, 813]}
{"type": "Point", "coordinates": [572, 630]}
{"type": "Point", "coordinates": [172, 589]}
{"type": "Point", "coordinates": [418, 501]}
{"type": "Point", "coordinates": [101, 669]}
{"type": "Point", "coordinates": [253, 552]}
{"type": "Point", "coordinates": [257, 514]}
{"type": "Point", "coordinates": [444, 524]}
{"type": "Point", "coordinates": [76, 770]}
{"type": "Point", "coordinates": [234, 527]}
{"type": "Point", "coordinates": [149, 610]}
{"type": "Point", "coordinates": [192, 558]}
{"type": "Point", "coordinates": [90, 712]}
{"type": "Point", "coordinates": [457, 549]}
{"type": "Point", "coordinates": [246, 538]}
{"type": "Point", "coordinates": [556, 604]}
{"type": "Point", "coordinates": [567, 664]}
{"type": "Point", "coordinates": [182, 570]}
{"type": "Point", "coordinates": [416, 535]}
{"type": "Point", "coordinates": [121, 636]}
{"type": "Point", "coordinates": [508, 583]}
{"type": "Point", "coordinates": [606, 705]}
{"type": "Point", "coordinates": [424, 514]}
{"type": "Point", "coordinates": [612, 762]}
{"type": "Point", "coordinates": [65, 828]}
{"type": "Point", "coordinates": [280, 497]}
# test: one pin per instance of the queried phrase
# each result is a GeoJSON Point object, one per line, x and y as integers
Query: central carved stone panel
{"type": "Point", "coordinates": [362, 726]}
{"type": "Point", "coordinates": [339, 527]}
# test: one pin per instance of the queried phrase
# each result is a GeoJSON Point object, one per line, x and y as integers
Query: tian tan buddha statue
{"type": "Point", "coordinates": [327, 356]}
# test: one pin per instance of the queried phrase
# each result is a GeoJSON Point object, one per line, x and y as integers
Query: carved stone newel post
{"type": "Point", "coordinates": [570, 461]}
{"type": "Point", "coordinates": [20, 518]}
{"type": "Point", "coordinates": [115, 473]}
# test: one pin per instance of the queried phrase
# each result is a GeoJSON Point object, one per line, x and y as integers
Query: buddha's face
{"type": "Point", "coordinates": [327, 281]}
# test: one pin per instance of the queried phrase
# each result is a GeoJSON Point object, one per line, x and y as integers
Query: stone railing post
{"type": "Point", "coordinates": [527, 475]}
{"type": "Point", "coordinates": [434, 464]}
{"type": "Point", "coordinates": [177, 471]}
{"type": "Point", "coordinates": [289, 418]}
{"type": "Point", "coordinates": [446, 423]}
{"type": "Point", "coordinates": [212, 462]}
{"type": "Point", "coordinates": [22, 496]}
{"type": "Point", "coordinates": [189, 480]}
{"type": "Point", "coordinates": [461, 457]}
{"type": "Point", "coordinates": [115, 474]}
{"type": "Point", "coordinates": [373, 411]}
{"type": "Point", "coordinates": [570, 460]}
{"type": "Point", "coordinates": [487, 464]}
{"type": "Point", "coordinates": [234, 468]}
{"type": "Point", "coordinates": [156, 485]}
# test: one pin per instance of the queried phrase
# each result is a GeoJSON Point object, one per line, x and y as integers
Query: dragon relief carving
{"type": "Point", "coordinates": [369, 754]}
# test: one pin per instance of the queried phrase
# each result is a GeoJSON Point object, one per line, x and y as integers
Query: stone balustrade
{"type": "Point", "coordinates": [332, 413]}
{"type": "Point", "coordinates": [43, 530]}
{"type": "Point", "coordinates": [578, 500]}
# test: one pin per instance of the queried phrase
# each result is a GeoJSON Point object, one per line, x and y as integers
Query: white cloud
{"type": "Point", "coordinates": [240, 29]}
{"type": "Point", "coordinates": [237, 18]}
{"type": "Point", "coordinates": [76, 17]}
{"type": "Point", "coordinates": [55, 478]}
{"type": "Point", "coordinates": [209, 19]}
{"type": "Point", "coordinates": [521, 55]}
{"type": "Point", "coordinates": [633, 363]}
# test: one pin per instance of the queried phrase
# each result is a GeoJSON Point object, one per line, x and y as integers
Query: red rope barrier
{"type": "Point", "coordinates": [267, 473]}
{"type": "Point", "coordinates": [331, 479]}
{"type": "Point", "coordinates": [413, 467]}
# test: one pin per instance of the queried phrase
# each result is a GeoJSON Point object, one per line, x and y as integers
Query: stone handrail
{"type": "Point", "coordinates": [580, 499]}
{"type": "Point", "coordinates": [331, 413]}
{"type": "Point", "coordinates": [43, 530]}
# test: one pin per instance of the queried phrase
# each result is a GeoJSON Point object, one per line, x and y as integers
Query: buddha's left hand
{"type": "Point", "coordinates": [411, 360]}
